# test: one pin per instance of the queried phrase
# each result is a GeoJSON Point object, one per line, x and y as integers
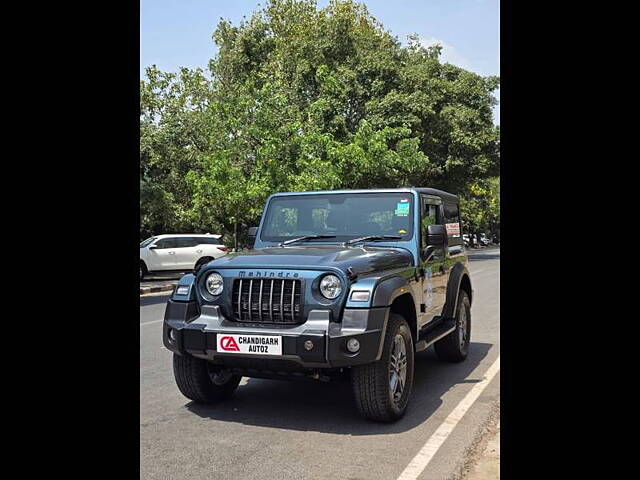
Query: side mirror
{"type": "Point", "coordinates": [153, 247]}
{"type": "Point", "coordinates": [253, 231]}
{"type": "Point", "coordinates": [437, 236]}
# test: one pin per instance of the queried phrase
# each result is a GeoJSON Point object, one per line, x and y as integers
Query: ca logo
{"type": "Point", "coordinates": [229, 344]}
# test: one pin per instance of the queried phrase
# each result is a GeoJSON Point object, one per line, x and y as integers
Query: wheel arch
{"type": "Point", "coordinates": [405, 306]}
{"type": "Point", "coordinates": [397, 294]}
{"type": "Point", "coordinates": [201, 261]}
{"type": "Point", "coordinates": [459, 279]}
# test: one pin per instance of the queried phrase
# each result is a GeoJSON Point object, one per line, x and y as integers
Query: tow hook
{"type": "Point", "coordinates": [317, 376]}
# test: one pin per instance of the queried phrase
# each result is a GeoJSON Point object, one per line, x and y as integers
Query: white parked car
{"type": "Point", "coordinates": [179, 252]}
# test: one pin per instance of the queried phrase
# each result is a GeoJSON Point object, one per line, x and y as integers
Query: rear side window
{"type": "Point", "coordinates": [207, 241]}
{"type": "Point", "coordinates": [452, 223]}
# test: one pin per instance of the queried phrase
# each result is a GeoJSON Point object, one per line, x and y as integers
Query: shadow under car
{"type": "Point", "coordinates": [329, 407]}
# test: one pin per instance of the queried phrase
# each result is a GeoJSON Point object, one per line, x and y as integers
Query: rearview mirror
{"type": "Point", "coordinates": [436, 235]}
{"type": "Point", "coordinates": [153, 247]}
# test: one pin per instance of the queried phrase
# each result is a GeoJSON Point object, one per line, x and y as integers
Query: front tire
{"type": "Point", "coordinates": [382, 389]}
{"type": "Point", "coordinates": [202, 382]}
{"type": "Point", "coordinates": [143, 270]}
{"type": "Point", "coordinates": [455, 346]}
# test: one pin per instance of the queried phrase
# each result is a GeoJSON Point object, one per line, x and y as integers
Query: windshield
{"type": "Point", "coordinates": [147, 242]}
{"type": "Point", "coordinates": [345, 215]}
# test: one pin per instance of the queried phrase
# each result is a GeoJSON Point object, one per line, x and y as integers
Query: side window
{"type": "Point", "coordinates": [166, 243]}
{"type": "Point", "coordinates": [183, 242]}
{"type": "Point", "coordinates": [429, 217]}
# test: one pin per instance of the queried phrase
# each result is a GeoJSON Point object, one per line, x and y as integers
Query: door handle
{"type": "Point", "coordinates": [198, 251]}
{"type": "Point", "coordinates": [172, 253]}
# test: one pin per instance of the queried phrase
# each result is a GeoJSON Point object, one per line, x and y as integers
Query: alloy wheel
{"type": "Point", "coordinates": [398, 368]}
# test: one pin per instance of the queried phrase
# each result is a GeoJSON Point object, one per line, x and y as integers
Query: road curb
{"type": "Point", "coordinates": [468, 458]}
{"type": "Point", "coordinates": [162, 288]}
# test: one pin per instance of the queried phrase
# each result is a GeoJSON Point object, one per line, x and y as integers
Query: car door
{"type": "Point", "coordinates": [434, 281]}
{"type": "Point", "coordinates": [163, 256]}
{"type": "Point", "coordinates": [186, 252]}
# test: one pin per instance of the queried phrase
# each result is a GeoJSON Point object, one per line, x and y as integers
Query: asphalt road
{"type": "Point", "coordinates": [299, 430]}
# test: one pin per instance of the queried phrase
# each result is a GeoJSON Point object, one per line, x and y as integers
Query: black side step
{"type": "Point", "coordinates": [433, 335]}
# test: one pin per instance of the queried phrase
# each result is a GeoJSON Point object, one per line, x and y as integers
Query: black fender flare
{"type": "Point", "coordinates": [385, 293]}
{"type": "Point", "coordinates": [458, 273]}
{"type": "Point", "coordinates": [389, 289]}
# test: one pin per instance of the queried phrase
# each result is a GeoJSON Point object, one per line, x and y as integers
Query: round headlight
{"type": "Point", "coordinates": [330, 286]}
{"type": "Point", "coordinates": [214, 284]}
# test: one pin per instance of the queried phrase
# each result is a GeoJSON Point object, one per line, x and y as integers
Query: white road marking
{"type": "Point", "coordinates": [153, 321]}
{"type": "Point", "coordinates": [429, 449]}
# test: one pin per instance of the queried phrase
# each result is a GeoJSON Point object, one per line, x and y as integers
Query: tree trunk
{"type": "Point", "coordinates": [235, 234]}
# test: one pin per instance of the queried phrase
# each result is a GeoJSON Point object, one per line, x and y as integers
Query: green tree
{"type": "Point", "coordinates": [480, 207]}
{"type": "Point", "coordinates": [299, 98]}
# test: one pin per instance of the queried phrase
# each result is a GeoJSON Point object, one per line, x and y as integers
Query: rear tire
{"type": "Point", "coordinates": [202, 382]}
{"type": "Point", "coordinates": [375, 396]}
{"type": "Point", "coordinates": [455, 346]}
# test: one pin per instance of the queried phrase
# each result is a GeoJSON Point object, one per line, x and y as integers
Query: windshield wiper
{"type": "Point", "coordinates": [372, 238]}
{"type": "Point", "coordinates": [306, 237]}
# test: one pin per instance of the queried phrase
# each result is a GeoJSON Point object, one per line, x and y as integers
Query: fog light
{"type": "Point", "coordinates": [308, 345]}
{"type": "Point", "coordinates": [172, 335]}
{"type": "Point", "coordinates": [353, 345]}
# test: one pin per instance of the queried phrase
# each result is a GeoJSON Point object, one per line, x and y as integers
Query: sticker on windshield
{"type": "Point", "coordinates": [402, 208]}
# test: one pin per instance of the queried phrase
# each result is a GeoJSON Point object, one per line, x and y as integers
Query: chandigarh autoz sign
{"type": "Point", "coordinates": [253, 344]}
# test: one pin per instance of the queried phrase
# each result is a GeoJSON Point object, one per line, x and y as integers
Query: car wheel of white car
{"type": "Point", "coordinates": [143, 270]}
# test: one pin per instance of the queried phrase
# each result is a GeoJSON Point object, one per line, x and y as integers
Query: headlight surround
{"type": "Point", "coordinates": [330, 287]}
{"type": "Point", "coordinates": [214, 284]}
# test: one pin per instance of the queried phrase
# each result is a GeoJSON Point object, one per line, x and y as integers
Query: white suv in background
{"type": "Point", "coordinates": [179, 252]}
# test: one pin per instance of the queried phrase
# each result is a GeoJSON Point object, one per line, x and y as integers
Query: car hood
{"type": "Point", "coordinates": [362, 260]}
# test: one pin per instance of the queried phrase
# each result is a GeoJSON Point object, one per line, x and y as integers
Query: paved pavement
{"type": "Point", "coordinates": [276, 429]}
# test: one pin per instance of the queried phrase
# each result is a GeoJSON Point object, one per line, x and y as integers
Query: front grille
{"type": "Point", "coordinates": [268, 300]}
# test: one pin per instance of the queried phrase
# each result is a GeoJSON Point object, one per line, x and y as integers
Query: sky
{"type": "Point", "coordinates": [177, 33]}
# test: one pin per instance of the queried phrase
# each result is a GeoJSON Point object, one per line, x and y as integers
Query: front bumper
{"type": "Point", "coordinates": [195, 334]}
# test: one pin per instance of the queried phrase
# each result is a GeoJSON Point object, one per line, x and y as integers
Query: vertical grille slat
{"type": "Point", "coordinates": [282, 302]}
{"type": "Point", "coordinates": [260, 301]}
{"type": "Point", "coordinates": [293, 297]}
{"type": "Point", "coordinates": [240, 301]}
{"type": "Point", "coordinates": [282, 299]}
{"type": "Point", "coordinates": [271, 302]}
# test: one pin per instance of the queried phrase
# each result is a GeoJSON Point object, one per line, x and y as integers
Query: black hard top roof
{"type": "Point", "coordinates": [448, 197]}
{"type": "Point", "coordinates": [439, 193]}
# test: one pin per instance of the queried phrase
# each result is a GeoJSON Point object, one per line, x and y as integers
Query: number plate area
{"type": "Point", "coordinates": [252, 344]}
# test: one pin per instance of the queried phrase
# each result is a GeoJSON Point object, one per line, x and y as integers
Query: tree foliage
{"type": "Point", "coordinates": [480, 206]}
{"type": "Point", "coordinates": [299, 98]}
